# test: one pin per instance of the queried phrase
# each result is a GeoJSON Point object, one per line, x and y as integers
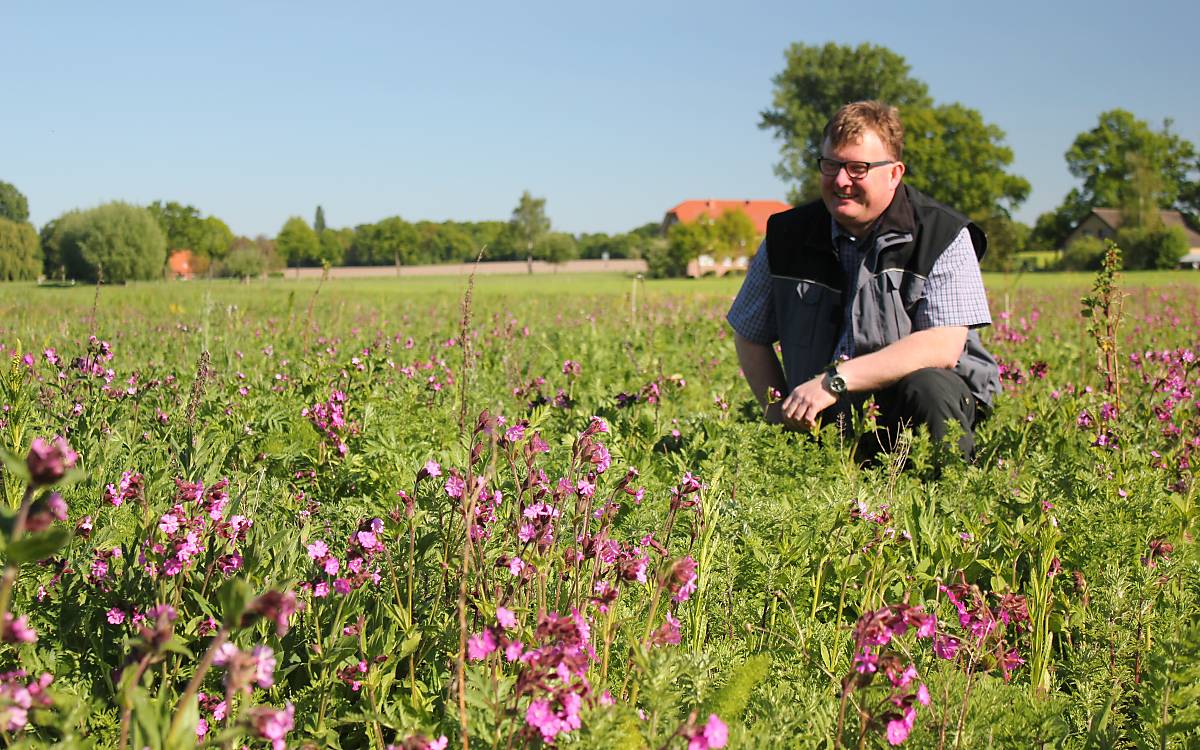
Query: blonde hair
{"type": "Point", "coordinates": [851, 121]}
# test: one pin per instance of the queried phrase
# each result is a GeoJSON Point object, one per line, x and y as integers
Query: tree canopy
{"type": "Point", "coordinates": [20, 251]}
{"type": "Point", "coordinates": [298, 243]}
{"type": "Point", "coordinates": [185, 229]}
{"type": "Point", "coordinates": [1124, 163]}
{"type": "Point", "coordinates": [950, 151]}
{"type": "Point", "coordinates": [529, 221]}
{"type": "Point", "coordinates": [115, 242]}
{"type": "Point", "coordinates": [13, 204]}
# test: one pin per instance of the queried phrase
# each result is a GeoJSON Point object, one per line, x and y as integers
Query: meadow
{"type": "Point", "coordinates": [431, 513]}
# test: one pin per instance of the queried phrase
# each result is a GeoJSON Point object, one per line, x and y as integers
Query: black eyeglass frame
{"type": "Point", "coordinates": [850, 166]}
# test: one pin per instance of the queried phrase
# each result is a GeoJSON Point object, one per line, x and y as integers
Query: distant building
{"type": "Point", "coordinates": [689, 211]}
{"type": "Point", "coordinates": [181, 264]}
{"type": "Point", "coordinates": [1104, 223]}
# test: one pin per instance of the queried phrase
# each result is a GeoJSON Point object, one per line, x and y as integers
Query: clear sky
{"type": "Point", "coordinates": [612, 111]}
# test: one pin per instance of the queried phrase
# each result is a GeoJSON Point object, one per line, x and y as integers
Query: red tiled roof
{"type": "Point", "coordinates": [180, 262]}
{"type": "Point", "coordinates": [758, 211]}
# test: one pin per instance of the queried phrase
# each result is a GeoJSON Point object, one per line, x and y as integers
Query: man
{"type": "Point", "coordinates": [874, 290]}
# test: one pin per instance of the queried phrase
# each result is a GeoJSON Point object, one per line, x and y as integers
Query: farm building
{"type": "Point", "coordinates": [688, 211]}
{"type": "Point", "coordinates": [1104, 223]}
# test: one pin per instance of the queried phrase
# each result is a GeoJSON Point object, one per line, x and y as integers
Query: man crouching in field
{"type": "Point", "coordinates": [874, 290]}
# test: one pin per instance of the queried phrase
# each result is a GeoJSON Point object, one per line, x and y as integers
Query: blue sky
{"type": "Point", "coordinates": [613, 112]}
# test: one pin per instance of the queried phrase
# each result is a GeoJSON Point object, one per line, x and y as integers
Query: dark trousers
{"type": "Point", "coordinates": [930, 397]}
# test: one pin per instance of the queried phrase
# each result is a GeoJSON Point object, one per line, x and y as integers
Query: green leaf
{"type": "Point", "coordinates": [233, 599]}
{"type": "Point", "coordinates": [409, 645]}
{"type": "Point", "coordinates": [15, 465]}
{"type": "Point", "coordinates": [38, 546]}
{"type": "Point", "coordinates": [183, 734]}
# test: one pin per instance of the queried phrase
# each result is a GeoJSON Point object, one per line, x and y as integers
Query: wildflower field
{"type": "Point", "coordinates": [543, 511]}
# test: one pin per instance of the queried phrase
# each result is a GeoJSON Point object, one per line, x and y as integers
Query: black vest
{"type": "Point", "coordinates": [902, 247]}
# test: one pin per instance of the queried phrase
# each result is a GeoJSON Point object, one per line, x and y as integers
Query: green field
{"type": "Point", "coordinates": [444, 486]}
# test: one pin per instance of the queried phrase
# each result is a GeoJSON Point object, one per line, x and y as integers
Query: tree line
{"type": "Point", "coordinates": [954, 155]}
{"type": "Point", "coordinates": [951, 153]}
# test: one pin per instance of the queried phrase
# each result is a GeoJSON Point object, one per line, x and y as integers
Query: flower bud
{"type": "Point", "coordinates": [48, 461]}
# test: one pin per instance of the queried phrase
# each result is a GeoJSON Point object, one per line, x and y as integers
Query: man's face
{"type": "Point", "coordinates": [856, 204]}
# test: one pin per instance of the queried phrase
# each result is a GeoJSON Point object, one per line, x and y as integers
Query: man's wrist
{"type": "Point", "coordinates": [833, 382]}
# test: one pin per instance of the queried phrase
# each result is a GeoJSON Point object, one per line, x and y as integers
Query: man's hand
{"type": "Point", "coordinates": [806, 402]}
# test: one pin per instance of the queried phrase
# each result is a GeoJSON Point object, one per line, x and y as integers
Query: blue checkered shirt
{"type": "Point", "coordinates": [954, 293]}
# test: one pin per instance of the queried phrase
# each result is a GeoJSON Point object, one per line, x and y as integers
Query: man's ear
{"type": "Point", "coordinates": [897, 172]}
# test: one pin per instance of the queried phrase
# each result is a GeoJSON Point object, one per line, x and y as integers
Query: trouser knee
{"type": "Point", "coordinates": [933, 397]}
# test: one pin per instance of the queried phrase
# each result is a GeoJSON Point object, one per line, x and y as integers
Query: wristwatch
{"type": "Point", "coordinates": [834, 381]}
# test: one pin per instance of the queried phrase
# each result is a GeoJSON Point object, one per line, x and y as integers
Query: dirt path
{"type": "Point", "coordinates": [462, 269]}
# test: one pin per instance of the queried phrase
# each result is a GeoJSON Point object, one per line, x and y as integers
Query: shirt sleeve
{"type": "Point", "coordinates": [954, 293]}
{"type": "Point", "coordinates": [752, 315]}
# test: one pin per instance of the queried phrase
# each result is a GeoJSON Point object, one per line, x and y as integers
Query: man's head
{"type": "Point", "coordinates": [861, 133]}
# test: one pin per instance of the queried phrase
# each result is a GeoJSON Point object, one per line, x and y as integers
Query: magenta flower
{"type": "Point", "coordinates": [506, 618]}
{"type": "Point", "coordinates": [945, 646]}
{"type": "Point", "coordinates": [866, 662]}
{"type": "Point", "coordinates": [49, 461]}
{"type": "Point", "coordinates": [455, 486]}
{"type": "Point", "coordinates": [714, 734]}
{"type": "Point", "coordinates": [273, 724]}
{"type": "Point", "coordinates": [899, 729]}
{"type": "Point", "coordinates": [318, 550]}
{"type": "Point", "coordinates": [480, 645]}
{"type": "Point", "coordinates": [17, 630]}
{"type": "Point", "coordinates": [115, 616]}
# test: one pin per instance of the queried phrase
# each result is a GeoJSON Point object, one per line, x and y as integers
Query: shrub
{"type": "Point", "coordinates": [1084, 254]}
{"type": "Point", "coordinates": [20, 252]}
{"type": "Point", "coordinates": [1150, 248]}
{"type": "Point", "coordinates": [13, 205]}
{"type": "Point", "coordinates": [244, 261]}
{"type": "Point", "coordinates": [115, 242]}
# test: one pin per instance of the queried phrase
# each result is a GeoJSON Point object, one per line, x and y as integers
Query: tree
{"type": "Point", "coordinates": [815, 82]}
{"type": "Point", "coordinates": [185, 229]}
{"type": "Point", "coordinates": [319, 221]}
{"type": "Point", "coordinates": [1154, 247]}
{"type": "Point", "coordinates": [686, 241]}
{"type": "Point", "coordinates": [113, 243]}
{"type": "Point", "coordinates": [1124, 163]}
{"type": "Point", "coordinates": [334, 243]}
{"type": "Point", "coordinates": [390, 241]}
{"type": "Point", "coordinates": [245, 261]}
{"type": "Point", "coordinates": [529, 221]}
{"type": "Point", "coordinates": [13, 205]}
{"type": "Point", "coordinates": [1006, 238]}
{"type": "Point", "coordinates": [20, 251]}
{"type": "Point", "coordinates": [733, 235]}
{"type": "Point", "coordinates": [298, 243]}
{"type": "Point", "coordinates": [557, 247]}
{"type": "Point", "coordinates": [950, 152]}
{"type": "Point", "coordinates": [955, 157]}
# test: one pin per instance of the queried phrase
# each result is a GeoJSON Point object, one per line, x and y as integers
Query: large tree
{"type": "Point", "coordinates": [20, 252]}
{"type": "Point", "coordinates": [185, 229]}
{"type": "Point", "coordinates": [1124, 163]}
{"type": "Point", "coordinates": [113, 243]}
{"type": "Point", "coordinates": [13, 205]}
{"type": "Point", "coordinates": [298, 243]}
{"type": "Point", "coordinates": [950, 151]}
{"type": "Point", "coordinates": [529, 221]}
{"type": "Point", "coordinates": [388, 241]}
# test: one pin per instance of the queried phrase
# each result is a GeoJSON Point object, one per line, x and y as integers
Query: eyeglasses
{"type": "Point", "coordinates": [855, 169]}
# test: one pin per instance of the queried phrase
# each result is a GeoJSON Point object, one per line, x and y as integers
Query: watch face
{"type": "Point", "coordinates": [837, 383]}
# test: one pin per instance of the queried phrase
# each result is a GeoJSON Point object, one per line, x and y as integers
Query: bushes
{"type": "Point", "coordinates": [115, 242]}
{"type": "Point", "coordinates": [20, 252]}
{"type": "Point", "coordinates": [1151, 248]}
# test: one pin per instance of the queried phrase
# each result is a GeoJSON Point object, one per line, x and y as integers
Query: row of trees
{"type": "Point", "coordinates": [955, 156]}
{"type": "Point", "coordinates": [119, 241]}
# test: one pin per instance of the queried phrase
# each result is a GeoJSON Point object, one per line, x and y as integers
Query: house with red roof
{"type": "Point", "coordinates": [181, 264]}
{"type": "Point", "coordinates": [688, 211]}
